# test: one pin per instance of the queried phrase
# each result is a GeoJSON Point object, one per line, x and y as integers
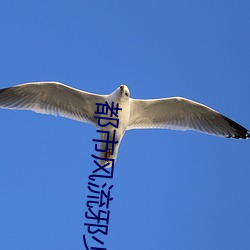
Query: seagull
{"type": "Point", "coordinates": [176, 113]}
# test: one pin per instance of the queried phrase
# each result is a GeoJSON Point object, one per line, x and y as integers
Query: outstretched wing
{"type": "Point", "coordinates": [182, 114]}
{"type": "Point", "coordinates": [52, 98]}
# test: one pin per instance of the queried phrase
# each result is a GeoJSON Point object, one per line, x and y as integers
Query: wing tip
{"type": "Point", "coordinates": [239, 131]}
{"type": "Point", "coordinates": [246, 136]}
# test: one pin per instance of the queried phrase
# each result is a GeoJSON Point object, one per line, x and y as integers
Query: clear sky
{"type": "Point", "coordinates": [172, 190]}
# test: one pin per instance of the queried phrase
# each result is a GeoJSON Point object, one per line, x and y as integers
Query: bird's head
{"type": "Point", "coordinates": [124, 91]}
{"type": "Point", "coordinates": [121, 94]}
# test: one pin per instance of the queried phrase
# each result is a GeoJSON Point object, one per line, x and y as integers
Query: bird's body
{"type": "Point", "coordinates": [123, 117]}
{"type": "Point", "coordinates": [167, 113]}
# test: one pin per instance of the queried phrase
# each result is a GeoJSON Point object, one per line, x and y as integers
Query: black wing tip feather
{"type": "Point", "coordinates": [239, 131]}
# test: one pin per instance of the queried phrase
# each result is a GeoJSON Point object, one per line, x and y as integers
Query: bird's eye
{"type": "Point", "coordinates": [126, 93]}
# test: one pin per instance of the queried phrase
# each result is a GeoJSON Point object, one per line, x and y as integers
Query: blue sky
{"type": "Point", "coordinates": [172, 190]}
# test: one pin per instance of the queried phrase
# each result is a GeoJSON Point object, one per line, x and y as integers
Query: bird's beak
{"type": "Point", "coordinates": [122, 88]}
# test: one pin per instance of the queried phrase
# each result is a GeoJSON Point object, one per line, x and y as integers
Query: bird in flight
{"type": "Point", "coordinates": [175, 113]}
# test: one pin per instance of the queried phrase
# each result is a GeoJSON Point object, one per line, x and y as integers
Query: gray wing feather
{"type": "Point", "coordinates": [182, 114]}
{"type": "Point", "coordinates": [52, 98]}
